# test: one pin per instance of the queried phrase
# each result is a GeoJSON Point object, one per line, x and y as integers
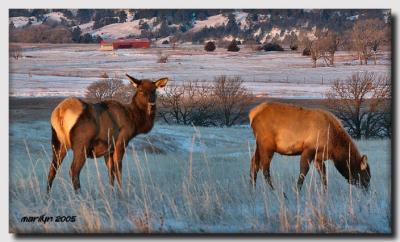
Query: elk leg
{"type": "Point", "coordinates": [59, 153]}
{"type": "Point", "coordinates": [266, 158]}
{"type": "Point", "coordinates": [321, 168]}
{"type": "Point", "coordinates": [76, 166]}
{"type": "Point", "coordinates": [117, 158]}
{"type": "Point", "coordinates": [108, 158]}
{"type": "Point", "coordinates": [306, 158]}
{"type": "Point", "coordinates": [254, 167]}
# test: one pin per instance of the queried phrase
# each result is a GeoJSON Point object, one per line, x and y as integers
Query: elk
{"type": "Point", "coordinates": [314, 134]}
{"type": "Point", "coordinates": [101, 129]}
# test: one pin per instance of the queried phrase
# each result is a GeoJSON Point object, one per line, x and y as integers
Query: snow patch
{"type": "Point", "coordinates": [20, 22]}
{"type": "Point", "coordinates": [240, 18]}
{"type": "Point", "coordinates": [87, 27]}
{"type": "Point", "coordinates": [121, 30]}
{"type": "Point", "coordinates": [353, 18]}
{"type": "Point", "coordinates": [213, 21]}
{"type": "Point", "coordinates": [56, 17]}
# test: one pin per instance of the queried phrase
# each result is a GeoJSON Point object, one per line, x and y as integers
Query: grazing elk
{"type": "Point", "coordinates": [314, 134]}
{"type": "Point", "coordinates": [101, 129]}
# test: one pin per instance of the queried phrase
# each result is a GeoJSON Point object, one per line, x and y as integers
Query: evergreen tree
{"type": "Point", "coordinates": [11, 26]}
{"type": "Point", "coordinates": [122, 16]}
{"type": "Point", "coordinates": [76, 34]}
{"type": "Point", "coordinates": [232, 27]}
{"type": "Point", "coordinates": [84, 15]}
{"type": "Point", "coordinates": [19, 13]}
{"type": "Point", "coordinates": [164, 29]}
{"type": "Point", "coordinates": [38, 13]}
{"type": "Point", "coordinates": [87, 38]}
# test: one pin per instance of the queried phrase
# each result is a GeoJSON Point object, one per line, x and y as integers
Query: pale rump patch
{"type": "Point", "coordinates": [253, 112]}
{"type": "Point", "coordinates": [64, 117]}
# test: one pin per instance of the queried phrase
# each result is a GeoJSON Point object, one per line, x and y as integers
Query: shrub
{"type": "Point", "coordinates": [210, 46]}
{"type": "Point", "coordinates": [362, 102]}
{"type": "Point", "coordinates": [225, 102]}
{"type": "Point", "coordinates": [41, 34]}
{"type": "Point", "coordinates": [191, 103]}
{"type": "Point", "coordinates": [233, 46]}
{"type": "Point", "coordinates": [162, 58]}
{"type": "Point", "coordinates": [272, 47]}
{"type": "Point", "coordinates": [15, 51]}
{"type": "Point", "coordinates": [232, 100]}
{"type": "Point", "coordinates": [294, 47]}
{"type": "Point", "coordinates": [306, 52]}
{"type": "Point", "coordinates": [109, 89]}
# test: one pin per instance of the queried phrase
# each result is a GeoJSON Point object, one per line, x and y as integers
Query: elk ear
{"type": "Point", "coordinates": [161, 82]}
{"type": "Point", "coordinates": [135, 82]}
{"type": "Point", "coordinates": [364, 163]}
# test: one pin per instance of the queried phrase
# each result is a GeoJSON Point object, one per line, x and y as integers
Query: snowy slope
{"type": "Point", "coordinates": [20, 22]}
{"type": "Point", "coordinates": [241, 19]}
{"type": "Point", "coordinates": [213, 21]}
{"type": "Point", "coordinates": [56, 17]}
{"type": "Point", "coordinates": [119, 30]}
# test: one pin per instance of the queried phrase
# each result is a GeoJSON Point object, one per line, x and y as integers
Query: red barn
{"type": "Point", "coordinates": [124, 43]}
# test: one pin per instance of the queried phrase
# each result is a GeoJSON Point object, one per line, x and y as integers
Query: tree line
{"type": "Point", "coordinates": [362, 102]}
{"type": "Point", "coordinates": [177, 22]}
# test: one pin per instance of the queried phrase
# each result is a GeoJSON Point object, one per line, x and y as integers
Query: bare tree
{"type": "Point", "coordinates": [15, 51]}
{"type": "Point", "coordinates": [232, 98]}
{"type": "Point", "coordinates": [329, 44]}
{"type": "Point", "coordinates": [187, 104]}
{"type": "Point", "coordinates": [109, 89]}
{"type": "Point", "coordinates": [367, 35]}
{"type": "Point", "coordinates": [362, 102]}
{"type": "Point", "coordinates": [162, 58]}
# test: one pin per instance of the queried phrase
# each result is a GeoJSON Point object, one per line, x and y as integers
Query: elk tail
{"type": "Point", "coordinates": [55, 142]}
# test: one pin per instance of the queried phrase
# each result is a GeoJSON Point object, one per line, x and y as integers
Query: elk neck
{"type": "Point", "coordinates": [344, 154]}
{"type": "Point", "coordinates": [142, 119]}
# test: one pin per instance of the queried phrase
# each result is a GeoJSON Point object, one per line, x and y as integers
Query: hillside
{"type": "Point", "coordinates": [260, 25]}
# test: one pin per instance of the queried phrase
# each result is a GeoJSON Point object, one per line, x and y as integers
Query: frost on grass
{"type": "Point", "coordinates": [67, 70]}
{"type": "Point", "coordinates": [200, 184]}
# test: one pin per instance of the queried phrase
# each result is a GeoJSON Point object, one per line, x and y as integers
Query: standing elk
{"type": "Point", "coordinates": [314, 134]}
{"type": "Point", "coordinates": [101, 129]}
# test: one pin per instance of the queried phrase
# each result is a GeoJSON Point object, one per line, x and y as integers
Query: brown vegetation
{"type": "Point", "coordinates": [15, 51]}
{"type": "Point", "coordinates": [109, 89]}
{"type": "Point", "coordinates": [210, 46]}
{"type": "Point", "coordinates": [233, 46]}
{"type": "Point", "coordinates": [162, 58]}
{"type": "Point", "coordinates": [362, 102]}
{"type": "Point", "coordinates": [232, 99]}
{"type": "Point", "coordinates": [41, 34]}
{"type": "Point", "coordinates": [188, 104]}
{"type": "Point", "coordinates": [367, 37]}
{"type": "Point", "coordinates": [222, 103]}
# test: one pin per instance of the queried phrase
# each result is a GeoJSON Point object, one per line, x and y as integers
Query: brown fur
{"type": "Point", "coordinates": [64, 117]}
{"type": "Point", "coordinates": [101, 129]}
{"type": "Point", "coordinates": [314, 134]}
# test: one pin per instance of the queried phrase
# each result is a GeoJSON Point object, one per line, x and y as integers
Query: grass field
{"type": "Point", "coordinates": [181, 178]}
{"type": "Point", "coordinates": [200, 184]}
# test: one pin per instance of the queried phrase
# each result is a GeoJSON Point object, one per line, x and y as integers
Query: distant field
{"type": "Point", "coordinates": [65, 70]}
{"type": "Point", "coordinates": [187, 179]}
{"type": "Point", "coordinates": [184, 178]}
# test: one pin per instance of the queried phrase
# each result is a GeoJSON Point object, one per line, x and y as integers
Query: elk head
{"type": "Point", "coordinates": [364, 173]}
{"type": "Point", "coordinates": [146, 95]}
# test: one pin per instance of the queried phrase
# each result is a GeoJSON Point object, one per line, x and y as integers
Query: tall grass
{"type": "Point", "coordinates": [195, 192]}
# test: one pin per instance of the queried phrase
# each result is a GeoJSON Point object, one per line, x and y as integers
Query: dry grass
{"type": "Point", "coordinates": [205, 191]}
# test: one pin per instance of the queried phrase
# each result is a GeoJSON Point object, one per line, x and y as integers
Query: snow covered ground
{"type": "Point", "coordinates": [65, 70]}
{"type": "Point", "coordinates": [199, 184]}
